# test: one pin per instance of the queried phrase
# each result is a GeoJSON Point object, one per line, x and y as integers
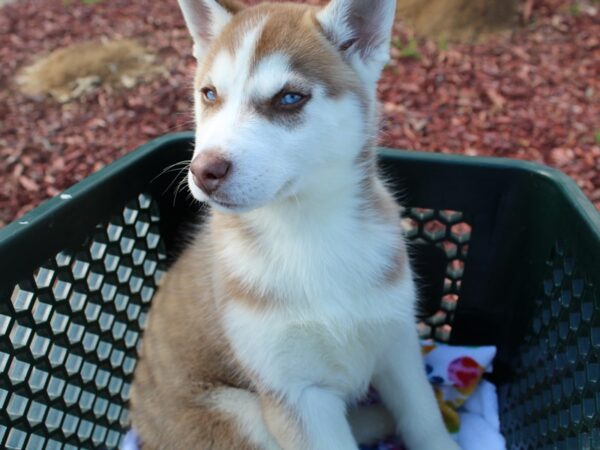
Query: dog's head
{"type": "Point", "coordinates": [284, 95]}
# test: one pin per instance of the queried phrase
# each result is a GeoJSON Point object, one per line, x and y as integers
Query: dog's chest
{"type": "Point", "coordinates": [288, 354]}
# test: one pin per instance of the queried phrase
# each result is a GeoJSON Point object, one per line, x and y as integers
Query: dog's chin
{"type": "Point", "coordinates": [230, 206]}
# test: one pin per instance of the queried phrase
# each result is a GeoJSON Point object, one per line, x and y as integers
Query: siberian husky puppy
{"type": "Point", "coordinates": [297, 294]}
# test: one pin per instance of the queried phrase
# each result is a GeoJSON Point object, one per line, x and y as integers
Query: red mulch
{"type": "Point", "coordinates": [533, 94]}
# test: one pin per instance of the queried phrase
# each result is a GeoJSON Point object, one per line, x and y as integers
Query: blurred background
{"type": "Point", "coordinates": [82, 82]}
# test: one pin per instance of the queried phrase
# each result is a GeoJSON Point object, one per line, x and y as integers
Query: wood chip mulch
{"type": "Point", "coordinates": [532, 93]}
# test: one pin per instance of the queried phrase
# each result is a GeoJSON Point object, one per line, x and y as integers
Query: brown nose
{"type": "Point", "coordinates": [210, 171]}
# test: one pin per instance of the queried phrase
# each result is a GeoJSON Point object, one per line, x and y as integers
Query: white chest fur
{"type": "Point", "coordinates": [289, 351]}
{"type": "Point", "coordinates": [333, 315]}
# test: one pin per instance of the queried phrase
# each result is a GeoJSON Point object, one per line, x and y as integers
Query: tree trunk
{"type": "Point", "coordinates": [460, 19]}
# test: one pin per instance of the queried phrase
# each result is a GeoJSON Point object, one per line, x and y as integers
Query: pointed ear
{"type": "Point", "coordinates": [361, 30]}
{"type": "Point", "coordinates": [205, 19]}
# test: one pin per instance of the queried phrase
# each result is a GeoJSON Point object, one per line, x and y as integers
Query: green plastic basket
{"type": "Point", "coordinates": [508, 253]}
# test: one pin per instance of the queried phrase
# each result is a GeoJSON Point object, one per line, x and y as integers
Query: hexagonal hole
{"type": "Point", "coordinates": [37, 380]}
{"type": "Point", "coordinates": [114, 412]}
{"type": "Point", "coordinates": [94, 281]}
{"type": "Point", "coordinates": [144, 201]}
{"type": "Point", "coordinates": [15, 439]}
{"type": "Point", "coordinates": [97, 250]}
{"type": "Point", "coordinates": [75, 332]}
{"type": "Point", "coordinates": [450, 217]}
{"type": "Point", "coordinates": [70, 425]}
{"type": "Point", "coordinates": [138, 256]}
{"type": "Point", "coordinates": [16, 406]}
{"type": "Point", "coordinates": [133, 311]}
{"type": "Point", "coordinates": [4, 323]}
{"type": "Point", "coordinates": [57, 355]}
{"type": "Point", "coordinates": [121, 302]}
{"type": "Point", "coordinates": [92, 311]}
{"type": "Point", "coordinates": [77, 301]}
{"type": "Point", "coordinates": [39, 346]}
{"type": "Point", "coordinates": [123, 273]}
{"type": "Point", "coordinates": [35, 442]}
{"type": "Point", "coordinates": [90, 341]}
{"type": "Point", "coordinates": [41, 311]}
{"type": "Point", "coordinates": [85, 429]}
{"type": "Point", "coordinates": [54, 419]}
{"type": "Point", "coordinates": [142, 226]}
{"type": "Point", "coordinates": [434, 230]}
{"type": "Point", "coordinates": [87, 400]}
{"type": "Point", "coordinates": [116, 357]}
{"type": "Point", "coordinates": [99, 434]}
{"type": "Point", "coordinates": [126, 244]}
{"type": "Point", "coordinates": [455, 269]}
{"type": "Point", "coordinates": [18, 370]}
{"type": "Point", "coordinates": [410, 227]}
{"type": "Point", "coordinates": [19, 335]}
{"type": "Point", "coordinates": [153, 238]}
{"type": "Point", "coordinates": [35, 414]}
{"type": "Point", "coordinates": [131, 338]}
{"type": "Point", "coordinates": [461, 232]}
{"type": "Point", "coordinates": [438, 318]}
{"type": "Point", "coordinates": [443, 333]}
{"type": "Point", "coordinates": [424, 330]}
{"type": "Point", "coordinates": [63, 259]}
{"type": "Point", "coordinates": [129, 215]}
{"type": "Point", "coordinates": [21, 299]}
{"type": "Point", "coordinates": [147, 294]}
{"type": "Point", "coordinates": [108, 291]}
{"type": "Point", "coordinates": [100, 406]}
{"type": "Point", "coordinates": [55, 388]}
{"type": "Point", "coordinates": [135, 284]}
{"type": "Point", "coordinates": [73, 364]}
{"type": "Point", "coordinates": [80, 269]}
{"type": "Point", "coordinates": [449, 247]}
{"type": "Point", "coordinates": [150, 266]}
{"type": "Point", "coordinates": [449, 302]}
{"type": "Point", "coordinates": [111, 262]}
{"type": "Point", "coordinates": [61, 289]}
{"type": "Point", "coordinates": [59, 322]}
{"type": "Point", "coordinates": [118, 330]}
{"type": "Point", "coordinates": [114, 232]}
{"type": "Point", "coordinates": [43, 277]}
{"type": "Point", "coordinates": [421, 214]}
{"type": "Point", "coordinates": [72, 394]}
{"type": "Point", "coordinates": [103, 350]}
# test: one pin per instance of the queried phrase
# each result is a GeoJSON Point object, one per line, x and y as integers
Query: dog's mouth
{"type": "Point", "coordinates": [225, 204]}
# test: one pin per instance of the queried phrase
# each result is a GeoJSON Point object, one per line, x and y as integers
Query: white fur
{"type": "Point", "coordinates": [335, 325]}
{"type": "Point", "coordinates": [245, 408]}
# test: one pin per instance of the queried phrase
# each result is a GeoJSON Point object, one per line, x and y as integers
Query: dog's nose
{"type": "Point", "coordinates": [210, 171]}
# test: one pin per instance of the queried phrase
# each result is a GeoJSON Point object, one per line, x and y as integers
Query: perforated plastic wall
{"type": "Point", "coordinates": [555, 402]}
{"type": "Point", "coordinates": [69, 332]}
{"type": "Point", "coordinates": [450, 232]}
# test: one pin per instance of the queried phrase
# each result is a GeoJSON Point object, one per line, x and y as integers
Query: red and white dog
{"type": "Point", "coordinates": [297, 294]}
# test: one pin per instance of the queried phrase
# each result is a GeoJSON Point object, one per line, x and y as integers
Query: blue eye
{"type": "Point", "coordinates": [210, 95]}
{"type": "Point", "coordinates": [290, 99]}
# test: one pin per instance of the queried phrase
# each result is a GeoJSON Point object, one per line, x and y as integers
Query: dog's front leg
{"type": "Point", "coordinates": [402, 383]}
{"type": "Point", "coordinates": [316, 420]}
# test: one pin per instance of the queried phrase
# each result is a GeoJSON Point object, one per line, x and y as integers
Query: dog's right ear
{"type": "Point", "coordinates": [205, 19]}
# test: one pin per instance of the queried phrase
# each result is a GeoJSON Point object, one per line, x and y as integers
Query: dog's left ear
{"type": "Point", "coordinates": [361, 30]}
{"type": "Point", "coordinates": [205, 19]}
